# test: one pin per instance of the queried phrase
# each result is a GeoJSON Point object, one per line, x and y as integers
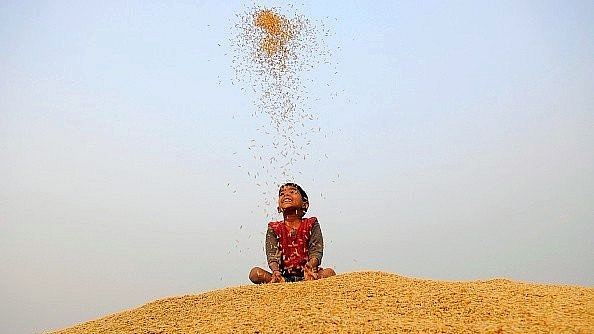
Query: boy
{"type": "Point", "coordinates": [294, 246]}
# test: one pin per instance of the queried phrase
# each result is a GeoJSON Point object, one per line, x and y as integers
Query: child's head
{"type": "Point", "coordinates": [293, 186]}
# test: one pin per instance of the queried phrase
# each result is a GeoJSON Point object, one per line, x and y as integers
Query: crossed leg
{"type": "Point", "coordinates": [326, 272]}
{"type": "Point", "coordinates": [261, 276]}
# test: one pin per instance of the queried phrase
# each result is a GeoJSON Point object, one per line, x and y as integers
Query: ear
{"type": "Point", "coordinates": [305, 206]}
{"type": "Point", "coordinates": [279, 209]}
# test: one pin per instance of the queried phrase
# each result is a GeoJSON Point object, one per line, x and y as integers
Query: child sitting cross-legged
{"type": "Point", "coordinates": [294, 245]}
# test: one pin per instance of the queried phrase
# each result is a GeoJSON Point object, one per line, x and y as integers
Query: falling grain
{"type": "Point", "coordinates": [272, 52]}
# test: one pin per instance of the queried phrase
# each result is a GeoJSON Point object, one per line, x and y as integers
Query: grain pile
{"type": "Point", "coordinates": [364, 302]}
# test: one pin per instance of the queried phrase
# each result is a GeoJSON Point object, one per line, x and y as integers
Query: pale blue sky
{"type": "Point", "coordinates": [460, 147]}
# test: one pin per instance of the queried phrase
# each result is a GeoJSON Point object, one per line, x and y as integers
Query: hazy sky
{"type": "Point", "coordinates": [459, 146]}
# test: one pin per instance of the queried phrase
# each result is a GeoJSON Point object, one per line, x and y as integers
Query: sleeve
{"type": "Point", "coordinates": [272, 249]}
{"type": "Point", "coordinates": [316, 243]}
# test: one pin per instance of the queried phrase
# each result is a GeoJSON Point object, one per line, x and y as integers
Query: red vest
{"type": "Point", "coordinates": [293, 246]}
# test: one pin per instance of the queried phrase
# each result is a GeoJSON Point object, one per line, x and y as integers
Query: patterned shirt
{"type": "Point", "coordinates": [292, 248]}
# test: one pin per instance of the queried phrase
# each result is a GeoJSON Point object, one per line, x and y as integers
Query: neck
{"type": "Point", "coordinates": [292, 217]}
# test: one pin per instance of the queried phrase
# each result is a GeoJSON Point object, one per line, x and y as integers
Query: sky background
{"type": "Point", "coordinates": [456, 143]}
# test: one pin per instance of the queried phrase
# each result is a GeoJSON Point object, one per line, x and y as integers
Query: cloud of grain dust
{"type": "Point", "coordinates": [273, 52]}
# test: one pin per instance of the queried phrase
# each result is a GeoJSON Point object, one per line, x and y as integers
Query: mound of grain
{"type": "Point", "coordinates": [364, 302]}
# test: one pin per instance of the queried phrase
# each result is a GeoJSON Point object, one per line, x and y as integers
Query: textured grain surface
{"type": "Point", "coordinates": [363, 302]}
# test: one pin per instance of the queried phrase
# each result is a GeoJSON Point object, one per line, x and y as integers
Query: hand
{"type": "Point", "coordinates": [276, 277]}
{"type": "Point", "coordinates": [309, 273]}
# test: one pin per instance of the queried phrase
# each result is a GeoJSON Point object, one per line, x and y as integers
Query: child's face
{"type": "Point", "coordinates": [290, 198]}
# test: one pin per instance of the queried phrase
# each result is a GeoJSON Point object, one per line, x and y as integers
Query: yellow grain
{"type": "Point", "coordinates": [363, 302]}
{"type": "Point", "coordinates": [273, 51]}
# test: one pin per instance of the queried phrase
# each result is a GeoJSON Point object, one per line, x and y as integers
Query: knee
{"type": "Point", "coordinates": [254, 274]}
{"type": "Point", "coordinates": [327, 272]}
{"type": "Point", "coordinates": [257, 275]}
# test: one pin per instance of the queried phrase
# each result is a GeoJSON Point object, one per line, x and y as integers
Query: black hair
{"type": "Point", "coordinates": [296, 186]}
